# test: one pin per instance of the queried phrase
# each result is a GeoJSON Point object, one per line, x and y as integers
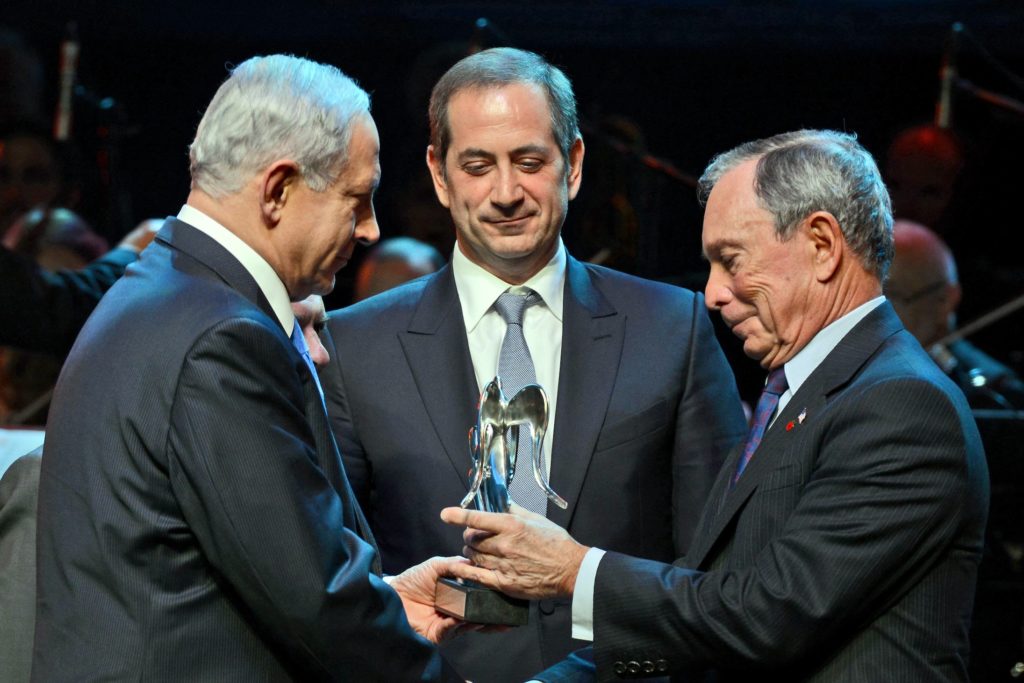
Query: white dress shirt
{"type": "Point", "coordinates": [542, 325]}
{"type": "Point", "coordinates": [267, 279]}
{"type": "Point", "coordinates": [797, 370]}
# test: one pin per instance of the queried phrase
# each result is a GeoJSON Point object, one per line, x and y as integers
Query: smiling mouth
{"type": "Point", "coordinates": [507, 221]}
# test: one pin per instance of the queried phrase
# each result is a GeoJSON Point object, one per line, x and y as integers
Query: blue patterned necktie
{"type": "Point", "coordinates": [515, 368]}
{"type": "Point", "coordinates": [766, 405]}
{"type": "Point", "coordinates": [299, 342]}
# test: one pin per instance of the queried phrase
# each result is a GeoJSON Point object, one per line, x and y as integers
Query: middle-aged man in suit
{"type": "Point", "coordinates": [195, 522]}
{"type": "Point", "coordinates": [644, 406]}
{"type": "Point", "coordinates": [842, 544]}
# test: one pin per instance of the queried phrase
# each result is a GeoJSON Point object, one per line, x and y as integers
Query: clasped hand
{"type": "Point", "coordinates": [521, 553]}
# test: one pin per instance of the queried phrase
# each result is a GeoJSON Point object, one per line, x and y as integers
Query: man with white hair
{"type": "Point", "coordinates": [841, 541]}
{"type": "Point", "coordinates": [195, 522]}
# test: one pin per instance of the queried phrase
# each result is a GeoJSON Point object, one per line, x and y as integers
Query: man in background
{"type": "Point", "coordinates": [925, 291]}
{"type": "Point", "coordinates": [643, 406]}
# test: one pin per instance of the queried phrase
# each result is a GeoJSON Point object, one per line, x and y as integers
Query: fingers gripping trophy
{"type": "Point", "coordinates": [493, 449]}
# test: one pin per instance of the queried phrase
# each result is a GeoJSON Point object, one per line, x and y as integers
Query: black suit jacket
{"type": "Point", "coordinates": [194, 519]}
{"type": "Point", "coordinates": [647, 410]}
{"type": "Point", "coordinates": [847, 551]}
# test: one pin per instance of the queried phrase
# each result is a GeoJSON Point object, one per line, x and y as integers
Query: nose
{"type": "Point", "coordinates": [507, 190]}
{"type": "Point", "coordinates": [716, 291]}
{"type": "Point", "coordinates": [367, 230]}
{"type": "Point", "coordinates": [317, 353]}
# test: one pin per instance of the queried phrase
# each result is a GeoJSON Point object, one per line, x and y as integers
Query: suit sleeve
{"type": "Point", "coordinates": [709, 423]}
{"type": "Point", "coordinates": [44, 311]}
{"type": "Point", "coordinates": [242, 463]}
{"type": "Point", "coordinates": [887, 496]}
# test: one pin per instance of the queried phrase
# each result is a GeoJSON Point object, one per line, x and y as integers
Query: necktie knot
{"type": "Point", "coordinates": [511, 306]}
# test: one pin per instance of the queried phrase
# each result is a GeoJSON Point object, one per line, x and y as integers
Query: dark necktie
{"type": "Point", "coordinates": [515, 368]}
{"type": "Point", "coordinates": [766, 405]}
{"type": "Point", "coordinates": [299, 342]}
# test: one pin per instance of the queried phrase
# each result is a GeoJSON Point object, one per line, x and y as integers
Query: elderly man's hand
{"type": "Point", "coordinates": [521, 554]}
{"type": "Point", "coordinates": [416, 588]}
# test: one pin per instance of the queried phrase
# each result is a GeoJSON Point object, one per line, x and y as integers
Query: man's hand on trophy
{"type": "Point", "coordinates": [416, 588]}
{"type": "Point", "coordinates": [521, 554]}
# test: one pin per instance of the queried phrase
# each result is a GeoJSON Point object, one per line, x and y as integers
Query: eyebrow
{"type": "Point", "coordinates": [477, 153]}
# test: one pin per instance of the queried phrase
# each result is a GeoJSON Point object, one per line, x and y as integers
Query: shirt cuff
{"type": "Point", "coordinates": [583, 596]}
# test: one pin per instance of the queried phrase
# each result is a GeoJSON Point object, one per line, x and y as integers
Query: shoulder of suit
{"type": "Point", "coordinates": [397, 304]}
{"type": "Point", "coordinates": [613, 282]}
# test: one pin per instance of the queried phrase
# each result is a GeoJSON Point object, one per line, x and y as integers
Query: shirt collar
{"type": "Point", "coordinates": [478, 289]}
{"type": "Point", "coordinates": [269, 282]}
{"type": "Point", "coordinates": [800, 366]}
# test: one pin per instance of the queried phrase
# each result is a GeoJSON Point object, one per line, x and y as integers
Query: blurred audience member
{"type": "Point", "coordinates": [393, 262]}
{"type": "Point", "coordinates": [925, 291]}
{"type": "Point", "coordinates": [35, 172]}
{"type": "Point", "coordinates": [922, 169]}
{"type": "Point", "coordinates": [42, 310]}
{"type": "Point", "coordinates": [54, 238]}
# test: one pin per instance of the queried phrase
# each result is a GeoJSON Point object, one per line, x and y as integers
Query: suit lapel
{"type": "Point", "coordinates": [592, 336]}
{"type": "Point", "coordinates": [835, 372]}
{"type": "Point", "coordinates": [437, 351]}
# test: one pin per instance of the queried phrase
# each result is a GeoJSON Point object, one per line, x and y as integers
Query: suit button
{"type": "Point", "coordinates": [619, 668]}
{"type": "Point", "coordinates": [633, 667]}
{"type": "Point", "coordinates": [648, 666]}
{"type": "Point", "coordinates": [547, 607]}
{"type": "Point", "coordinates": [661, 665]}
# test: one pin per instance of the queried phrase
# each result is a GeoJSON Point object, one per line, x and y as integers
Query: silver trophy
{"type": "Point", "coordinates": [493, 443]}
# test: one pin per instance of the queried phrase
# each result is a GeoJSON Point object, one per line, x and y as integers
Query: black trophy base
{"type": "Point", "coordinates": [475, 604]}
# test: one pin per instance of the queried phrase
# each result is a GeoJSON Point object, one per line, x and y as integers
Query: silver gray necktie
{"type": "Point", "coordinates": [515, 368]}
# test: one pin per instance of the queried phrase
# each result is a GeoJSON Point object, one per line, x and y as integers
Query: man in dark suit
{"type": "Point", "coordinates": [644, 406]}
{"type": "Point", "coordinates": [840, 543]}
{"type": "Point", "coordinates": [195, 522]}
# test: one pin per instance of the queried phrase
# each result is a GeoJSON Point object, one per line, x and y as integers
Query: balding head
{"type": "Point", "coordinates": [923, 284]}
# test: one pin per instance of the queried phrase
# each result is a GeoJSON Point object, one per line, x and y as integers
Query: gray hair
{"type": "Point", "coordinates": [805, 171]}
{"type": "Point", "coordinates": [271, 108]}
{"type": "Point", "coordinates": [496, 68]}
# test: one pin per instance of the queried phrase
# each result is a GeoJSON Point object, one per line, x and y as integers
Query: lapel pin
{"type": "Point", "coordinates": [801, 416]}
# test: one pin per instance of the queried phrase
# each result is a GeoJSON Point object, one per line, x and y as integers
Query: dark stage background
{"type": "Point", "coordinates": [682, 80]}
{"type": "Point", "coordinates": [689, 79]}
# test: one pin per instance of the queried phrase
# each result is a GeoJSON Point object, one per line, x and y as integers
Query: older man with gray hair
{"type": "Point", "coordinates": [841, 540]}
{"type": "Point", "coordinates": [195, 522]}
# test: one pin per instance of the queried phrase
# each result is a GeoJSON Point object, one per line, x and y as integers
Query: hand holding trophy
{"type": "Point", "coordinates": [493, 446]}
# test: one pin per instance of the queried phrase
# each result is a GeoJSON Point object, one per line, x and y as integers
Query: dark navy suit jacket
{"type": "Point", "coordinates": [647, 410]}
{"type": "Point", "coordinates": [195, 522]}
{"type": "Point", "coordinates": [847, 552]}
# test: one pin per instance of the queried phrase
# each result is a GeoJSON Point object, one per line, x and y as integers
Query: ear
{"type": "Point", "coordinates": [436, 166]}
{"type": "Point", "coordinates": [827, 244]}
{"type": "Point", "coordinates": [575, 167]}
{"type": "Point", "coordinates": [277, 184]}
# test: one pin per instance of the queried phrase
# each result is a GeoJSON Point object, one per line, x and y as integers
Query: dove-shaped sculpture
{"type": "Point", "coordinates": [493, 444]}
